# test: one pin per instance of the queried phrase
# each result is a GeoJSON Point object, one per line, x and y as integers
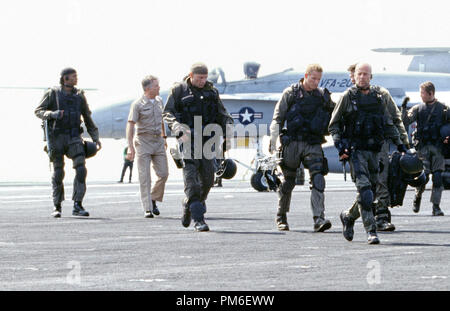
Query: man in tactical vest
{"type": "Point", "coordinates": [306, 109]}
{"type": "Point", "coordinates": [61, 109]}
{"type": "Point", "coordinates": [360, 124]}
{"type": "Point", "coordinates": [191, 106]}
{"type": "Point", "coordinates": [430, 116]}
{"type": "Point", "coordinates": [381, 208]}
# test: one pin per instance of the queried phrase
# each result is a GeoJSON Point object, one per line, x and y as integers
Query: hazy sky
{"type": "Point", "coordinates": [114, 44]}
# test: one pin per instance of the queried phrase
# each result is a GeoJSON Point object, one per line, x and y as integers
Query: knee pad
{"type": "Point", "coordinates": [318, 182]}
{"type": "Point", "coordinates": [197, 210]}
{"type": "Point", "coordinates": [81, 173]}
{"type": "Point", "coordinates": [366, 197]}
{"type": "Point", "coordinates": [437, 179]}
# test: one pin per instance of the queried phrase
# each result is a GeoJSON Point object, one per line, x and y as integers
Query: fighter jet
{"type": "Point", "coordinates": [251, 101]}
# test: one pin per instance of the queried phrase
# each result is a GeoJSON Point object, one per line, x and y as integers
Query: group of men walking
{"type": "Point", "coordinates": [362, 124]}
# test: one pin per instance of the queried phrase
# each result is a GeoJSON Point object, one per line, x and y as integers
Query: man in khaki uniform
{"type": "Point", "coordinates": [149, 144]}
{"type": "Point", "coordinates": [306, 109]}
{"type": "Point", "coordinates": [430, 116]}
{"type": "Point", "coordinates": [360, 124]}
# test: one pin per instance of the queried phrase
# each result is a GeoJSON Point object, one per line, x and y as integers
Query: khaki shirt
{"type": "Point", "coordinates": [147, 115]}
{"type": "Point", "coordinates": [344, 107]}
{"type": "Point", "coordinates": [148, 119]}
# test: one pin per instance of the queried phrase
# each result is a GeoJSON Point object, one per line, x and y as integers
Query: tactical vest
{"type": "Point", "coordinates": [364, 127]}
{"type": "Point", "coordinates": [429, 125]}
{"type": "Point", "coordinates": [192, 102]}
{"type": "Point", "coordinates": [70, 123]}
{"type": "Point", "coordinates": [307, 117]}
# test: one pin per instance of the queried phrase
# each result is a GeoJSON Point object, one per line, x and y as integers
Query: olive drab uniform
{"type": "Point", "coordinates": [429, 143]}
{"type": "Point", "coordinates": [361, 123]}
{"type": "Point", "coordinates": [65, 137]}
{"type": "Point", "coordinates": [306, 115]}
{"type": "Point", "coordinates": [382, 213]}
{"type": "Point", "coordinates": [185, 104]}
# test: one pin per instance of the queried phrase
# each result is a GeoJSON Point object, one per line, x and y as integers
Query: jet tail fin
{"type": "Point", "coordinates": [429, 59]}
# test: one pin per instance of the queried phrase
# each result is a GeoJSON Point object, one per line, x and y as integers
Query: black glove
{"type": "Point", "coordinates": [342, 149]}
{"type": "Point", "coordinates": [405, 102]}
{"type": "Point", "coordinates": [402, 148]}
{"type": "Point", "coordinates": [57, 115]}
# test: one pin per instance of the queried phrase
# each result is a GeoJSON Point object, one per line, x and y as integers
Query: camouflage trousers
{"type": "Point", "coordinates": [364, 168]}
{"type": "Point", "coordinates": [382, 202]}
{"type": "Point", "coordinates": [433, 162]}
{"type": "Point", "coordinates": [198, 175]}
{"type": "Point", "coordinates": [73, 148]}
{"type": "Point", "coordinates": [294, 154]}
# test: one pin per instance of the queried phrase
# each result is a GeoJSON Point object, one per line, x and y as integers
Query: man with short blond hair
{"type": "Point", "coordinates": [313, 67]}
{"type": "Point", "coordinates": [306, 109]}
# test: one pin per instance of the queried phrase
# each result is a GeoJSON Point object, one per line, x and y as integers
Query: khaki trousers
{"type": "Point", "coordinates": [151, 153]}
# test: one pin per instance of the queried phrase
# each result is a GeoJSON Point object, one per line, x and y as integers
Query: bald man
{"type": "Point", "coordinates": [382, 213]}
{"type": "Point", "coordinates": [360, 124]}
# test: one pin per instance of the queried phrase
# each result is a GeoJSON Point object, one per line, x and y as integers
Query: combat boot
{"type": "Point", "coordinates": [372, 238]}
{"type": "Point", "coordinates": [78, 210]}
{"type": "Point", "coordinates": [201, 226]}
{"type": "Point", "coordinates": [416, 204]}
{"type": "Point", "coordinates": [437, 210]}
{"type": "Point", "coordinates": [384, 225]}
{"type": "Point", "coordinates": [57, 211]}
{"type": "Point", "coordinates": [321, 225]}
{"type": "Point", "coordinates": [347, 224]}
{"type": "Point", "coordinates": [155, 208]}
{"type": "Point", "coordinates": [282, 222]}
{"type": "Point", "coordinates": [186, 217]}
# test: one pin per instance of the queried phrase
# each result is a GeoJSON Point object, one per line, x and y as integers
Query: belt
{"type": "Point", "coordinates": [151, 135]}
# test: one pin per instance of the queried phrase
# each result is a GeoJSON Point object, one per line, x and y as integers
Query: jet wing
{"type": "Point", "coordinates": [252, 96]}
{"type": "Point", "coordinates": [37, 88]}
{"type": "Point", "coordinates": [414, 51]}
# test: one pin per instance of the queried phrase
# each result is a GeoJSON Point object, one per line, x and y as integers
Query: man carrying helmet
{"type": "Point", "coordinates": [382, 193]}
{"type": "Point", "coordinates": [196, 115]}
{"type": "Point", "coordinates": [430, 116]}
{"type": "Point", "coordinates": [61, 108]}
{"type": "Point", "coordinates": [360, 125]}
